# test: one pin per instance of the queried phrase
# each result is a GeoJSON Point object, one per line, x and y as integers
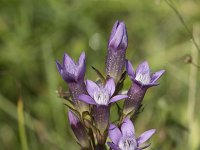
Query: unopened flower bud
{"type": "Point", "coordinates": [79, 130]}
{"type": "Point", "coordinates": [117, 45]}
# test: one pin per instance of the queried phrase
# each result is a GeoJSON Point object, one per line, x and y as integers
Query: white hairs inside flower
{"type": "Point", "coordinates": [143, 77]}
{"type": "Point", "coordinates": [101, 96]}
{"type": "Point", "coordinates": [128, 142]}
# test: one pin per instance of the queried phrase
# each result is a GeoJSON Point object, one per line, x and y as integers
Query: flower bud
{"type": "Point", "coordinates": [117, 45]}
{"type": "Point", "coordinates": [79, 130]}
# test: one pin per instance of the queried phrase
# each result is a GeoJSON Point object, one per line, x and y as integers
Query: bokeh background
{"type": "Point", "coordinates": [34, 33]}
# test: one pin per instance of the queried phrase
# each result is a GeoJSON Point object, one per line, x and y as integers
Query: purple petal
{"type": "Point", "coordinates": [124, 42]}
{"type": "Point", "coordinates": [59, 67]}
{"type": "Point", "coordinates": [87, 99]}
{"type": "Point", "coordinates": [156, 76]}
{"type": "Point", "coordinates": [114, 30]}
{"type": "Point", "coordinates": [145, 136]}
{"type": "Point", "coordinates": [114, 134]}
{"type": "Point", "coordinates": [81, 66]}
{"type": "Point", "coordinates": [110, 86]}
{"type": "Point", "coordinates": [65, 75]}
{"type": "Point", "coordinates": [73, 119]}
{"type": "Point", "coordinates": [117, 37]}
{"type": "Point", "coordinates": [117, 98]}
{"type": "Point", "coordinates": [91, 87]}
{"type": "Point", "coordinates": [81, 58]}
{"type": "Point", "coordinates": [130, 70]}
{"type": "Point", "coordinates": [113, 146]}
{"type": "Point", "coordinates": [67, 61]}
{"type": "Point", "coordinates": [127, 127]}
{"type": "Point", "coordinates": [143, 68]}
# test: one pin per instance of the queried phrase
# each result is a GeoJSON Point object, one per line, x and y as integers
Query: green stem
{"type": "Point", "coordinates": [171, 5]}
{"type": "Point", "coordinates": [22, 131]}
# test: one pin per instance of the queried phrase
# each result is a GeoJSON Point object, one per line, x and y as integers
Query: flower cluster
{"type": "Point", "coordinates": [89, 102]}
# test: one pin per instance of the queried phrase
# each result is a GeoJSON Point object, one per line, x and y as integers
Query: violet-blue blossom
{"type": "Point", "coordinates": [117, 45]}
{"type": "Point", "coordinates": [101, 96]}
{"type": "Point", "coordinates": [70, 70]}
{"type": "Point", "coordinates": [125, 138]}
{"type": "Point", "coordinates": [73, 73]}
{"type": "Point", "coordinates": [142, 79]}
{"type": "Point", "coordinates": [79, 130]}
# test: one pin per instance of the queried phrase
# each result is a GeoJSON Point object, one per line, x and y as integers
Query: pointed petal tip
{"type": "Point", "coordinates": [59, 66]}
{"type": "Point", "coordinates": [145, 63]}
{"type": "Point", "coordinates": [127, 127]}
{"type": "Point", "coordinates": [110, 86]}
{"type": "Point", "coordinates": [117, 98]}
{"type": "Point", "coordinates": [114, 133]}
{"type": "Point", "coordinates": [73, 119]}
{"type": "Point", "coordinates": [82, 55]}
{"type": "Point", "coordinates": [91, 87]}
{"type": "Point", "coordinates": [130, 70]}
{"type": "Point", "coordinates": [87, 99]}
{"type": "Point", "coordinates": [145, 136]}
{"type": "Point", "coordinates": [156, 76]}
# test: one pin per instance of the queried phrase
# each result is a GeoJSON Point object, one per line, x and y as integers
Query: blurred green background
{"type": "Point", "coordinates": [34, 33]}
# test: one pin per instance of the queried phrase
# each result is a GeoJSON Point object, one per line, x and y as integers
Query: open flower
{"type": "Point", "coordinates": [73, 73]}
{"type": "Point", "coordinates": [143, 75]}
{"type": "Point", "coordinates": [70, 70]}
{"type": "Point", "coordinates": [142, 79]}
{"type": "Point", "coordinates": [99, 94]}
{"type": "Point", "coordinates": [100, 97]}
{"type": "Point", "coordinates": [117, 45]}
{"type": "Point", "coordinates": [125, 139]}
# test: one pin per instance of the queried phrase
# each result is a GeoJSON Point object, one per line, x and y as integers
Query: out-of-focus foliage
{"type": "Point", "coordinates": [34, 33]}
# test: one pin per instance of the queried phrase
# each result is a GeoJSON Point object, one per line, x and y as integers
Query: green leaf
{"type": "Point", "coordinates": [99, 74]}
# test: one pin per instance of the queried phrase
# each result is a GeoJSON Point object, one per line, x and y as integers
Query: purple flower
{"type": "Point", "coordinates": [79, 130]}
{"type": "Point", "coordinates": [70, 70]}
{"type": "Point", "coordinates": [117, 45]}
{"type": "Point", "coordinates": [73, 73]}
{"type": "Point", "coordinates": [125, 139]}
{"type": "Point", "coordinates": [118, 38]}
{"type": "Point", "coordinates": [142, 79]}
{"type": "Point", "coordinates": [143, 75]}
{"type": "Point", "coordinates": [99, 94]}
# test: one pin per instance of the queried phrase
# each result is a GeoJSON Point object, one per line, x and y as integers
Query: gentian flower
{"type": "Point", "coordinates": [79, 130]}
{"type": "Point", "coordinates": [117, 45]}
{"type": "Point", "coordinates": [70, 70]}
{"type": "Point", "coordinates": [142, 79]}
{"type": "Point", "coordinates": [125, 139]}
{"type": "Point", "coordinates": [73, 73]}
{"type": "Point", "coordinates": [101, 96]}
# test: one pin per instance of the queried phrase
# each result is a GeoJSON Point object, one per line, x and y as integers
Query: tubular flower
{"type": "Point", "coordinates": [79, 130]}
{"type": "Point", "coordinates": [73, 73]}
{"type": "Point", "coordinates": [70, 70]}
{"type": "Point", "coordinates": [142, 79]}
{"type": "Point", "coordinates": [101, 96]}
{"type": "Point", "coordinates": [125, 139]}
{"type": "Point", "coordinates": [117, 45]}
